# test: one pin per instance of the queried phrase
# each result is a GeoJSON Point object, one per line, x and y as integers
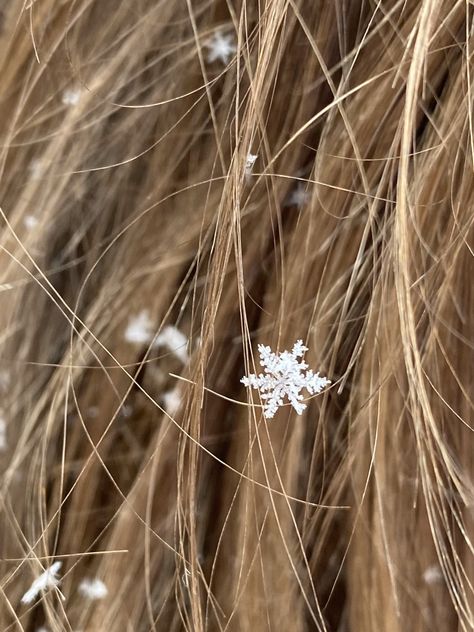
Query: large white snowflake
{"type": "Point", "coordinates": [284, 376]}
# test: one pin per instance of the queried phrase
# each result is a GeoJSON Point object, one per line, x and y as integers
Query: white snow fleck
{"type": "Point", "coordinates": [93, 411]}
{"type": "Point", "coordinates": [249, 163]}
{"type": "Point", "coordinates": [298, 197]}
{"type": "Point", "coordinates": [93, 589]}
{"type": "Point", "coordinates": [433, 574]}
{"type": "Point", "coordinates": [36, 169]}
{"type": "Point", "coordinates": [31, 222]}
{"type": "Point", "coordinates": [175, 341]}
{"type": "Point", "coordinates": [126, 411]}
{"type": "Point", "coordinates": [45, 581]}
{"type": "Point", "coordinates": [71, 96]}
{"type": "Point", "coordinates": [221, 47]}
{"type": "Point", "coordinates": [172, 400]}
{"type": "Point", "coordinates": [140, 329]}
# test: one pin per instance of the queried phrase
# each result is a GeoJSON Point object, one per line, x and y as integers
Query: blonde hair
{"type": "Point", "coordinates": [127, 205]}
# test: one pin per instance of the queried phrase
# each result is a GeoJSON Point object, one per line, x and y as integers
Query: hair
{"type": "Point", "coordinates": [143, 259]}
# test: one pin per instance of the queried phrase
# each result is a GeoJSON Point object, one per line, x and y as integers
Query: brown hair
{"type": "Point", "coordinates": [126, 202]}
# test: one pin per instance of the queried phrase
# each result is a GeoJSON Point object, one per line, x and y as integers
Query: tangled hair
{"type": "Point", "coordinates": [132, 216]}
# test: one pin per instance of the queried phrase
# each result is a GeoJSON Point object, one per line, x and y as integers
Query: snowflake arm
{"type": "Point", "coordinates": [284, 376]}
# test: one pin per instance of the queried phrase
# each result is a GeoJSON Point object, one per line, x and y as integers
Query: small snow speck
{"type": "Point", "coordinates": [93, 589]}
{"type": "Point", "coordinates": [433, 574]}
{"type": "Point", "coordinates": [71, 96]}
{"type": "Point", "coordinates": [298, 197]}
{"type": "Point", "coordinates": [140, 329]}
{"type": "Point", "coordinates": [221, 47]}
{"type": "Point", "coordinates": [31, 222]}
{"type": "Point", "coordinates": [249, 163]}
{"type": "Point", "coordinates": [35, 169]}
{"type": "Point", "coordinates": [47, 580]}
{"type": "Point", "coordinates": [172, 400]}
{"type": "Point", "coordinates": [126, 411]}
{"type": "Point", "coordinates": [175, 341]}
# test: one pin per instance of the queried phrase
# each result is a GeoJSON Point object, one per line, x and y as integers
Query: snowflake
{"type": "Point", "coordinates": [433, 574]}
{"type": "Point", "coordinates": [284, 376]}
{"type": "Point", "coordinates": [249, 163]}
{"type": "Point", "coordinates": [298, 197]}
{"type": "Point", "coordinates": [31, 222]}
{"type": "Point", "coordinates": [93, 589]}
{"type": "Point", "coordinates": [140, 328]}
{"type": "Point", "coordinates": [71, 96]}
{"type": "Point", "coordinates": [220, 47]}
{"type": "Point", "coordinates": [172, 400]}
{"type": "Point", "coordinates": [45, 581]}
{"type": "Point", "coordinates": [175, 341]}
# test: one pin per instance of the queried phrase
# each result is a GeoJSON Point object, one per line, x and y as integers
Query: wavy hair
{"type": "Point", "coordinates": [181, 181]}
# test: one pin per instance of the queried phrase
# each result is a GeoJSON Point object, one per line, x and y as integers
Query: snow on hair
{"type": "Point", "coordinates": [46, 581]}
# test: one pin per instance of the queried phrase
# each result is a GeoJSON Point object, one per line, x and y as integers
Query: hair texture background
{"type": "Point", "coordinates": [355, 516]}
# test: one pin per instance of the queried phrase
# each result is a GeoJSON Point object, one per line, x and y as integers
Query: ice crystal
{"type": "Point", "coordinates": [175, 341]}
{"type": "Point", "coordinates": [298, 197]}
{"type": "Point", "coordinates": [48, 579]}
{"type": "Point", "coordinates": [220, 47]}
{"type": "Point", "coordinates": [140, 329]}
{"type": "Point", "coordinates": [31, 222]}
{"type": "Point", "coordinates": [249, 163]}
{"type": "Point", "coordinates": [172, 400]}
{"type": "Point", "coordinates": [71, 96]}
{"type": "Point", "coordinates": [93, 589]}
{"type": "Point", "coordinates": [433, 574]}
{"type": "Point", "coordinates": [284, 376]}
{"type": "Point", "coordinates": [126, 411]}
